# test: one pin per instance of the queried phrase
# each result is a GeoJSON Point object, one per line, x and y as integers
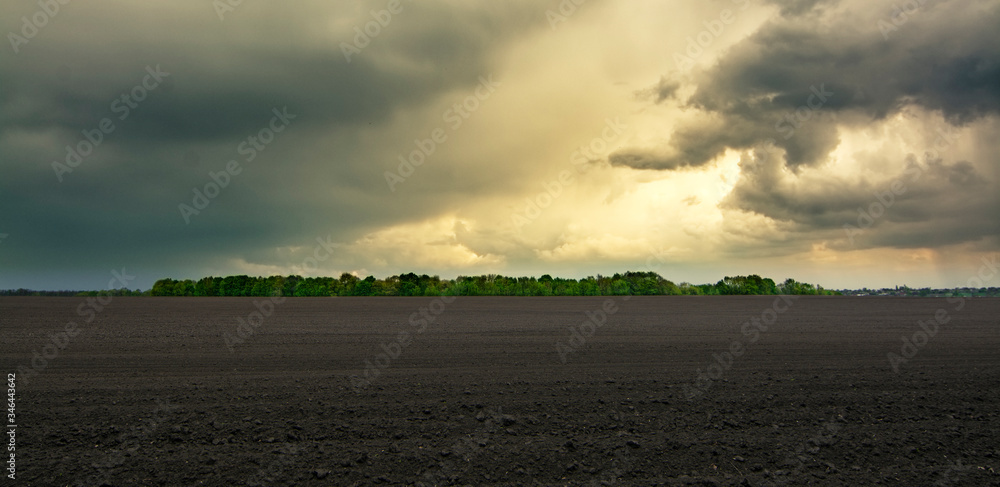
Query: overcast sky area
{"type": "Point", "coordinates": [843, 143]}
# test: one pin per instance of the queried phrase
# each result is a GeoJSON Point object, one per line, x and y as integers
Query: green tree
{"type": "Point", "coordinates": [364, 287]}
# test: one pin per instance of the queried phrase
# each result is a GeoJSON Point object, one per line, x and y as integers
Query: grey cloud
{"type": "Point", "coordinates": [927, 204]}
{"type": "Point", "coordinates": [226, 79]}
{"type": "Point", "coordinates": [800, 7]}
{"type": "Point", "coordinates": [837, 60]}
{"type": "Point", "coordinates": [665, 90]}
{"type": "Point", "coordinates": [321, 175]}
{"type": "Point", "coordinates": [778, 70]}
{"type": "Point", "coordinates": [644, 159]}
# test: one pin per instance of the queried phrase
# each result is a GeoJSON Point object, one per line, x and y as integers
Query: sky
{"type": "Point", "coordinates": [847, 143]}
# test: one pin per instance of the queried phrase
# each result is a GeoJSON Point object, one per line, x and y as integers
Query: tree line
{"type": "Point", "coordinates": [492, 285]}
{"type": "Point", "coordinates": [69, 294]}
{"type": "Point", "coordinates": [629, 283]}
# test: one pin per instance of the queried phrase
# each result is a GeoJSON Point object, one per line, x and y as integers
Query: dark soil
{"type": "Point", "coordinates": [149, 393]}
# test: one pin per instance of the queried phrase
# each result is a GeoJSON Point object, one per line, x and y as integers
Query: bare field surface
{"type": "Point", "coordinates": [500, 391]}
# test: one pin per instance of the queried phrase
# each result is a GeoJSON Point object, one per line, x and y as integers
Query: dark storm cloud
{"type": "Point", "coordinates": [120, 206]}
{"type": "Point", "coordinates": [825, 64]}
{"type": "Point", "coordinates": [816, 68]}
{"type": "Point", "coordinates": [237, 70]}
{"type": "Point", "coordinates": [928, 203]}
{"type": "Point", "coordinates": [664, 90]}
{"type": "Point", "coordinates": [799, 7]}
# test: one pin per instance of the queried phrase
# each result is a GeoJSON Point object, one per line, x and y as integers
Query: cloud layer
{"type": "Point", "coordinates": [787, 121]}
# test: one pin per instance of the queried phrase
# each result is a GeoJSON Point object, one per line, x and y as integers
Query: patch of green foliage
{"type": "Point", "coordinates": [629, 283]}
